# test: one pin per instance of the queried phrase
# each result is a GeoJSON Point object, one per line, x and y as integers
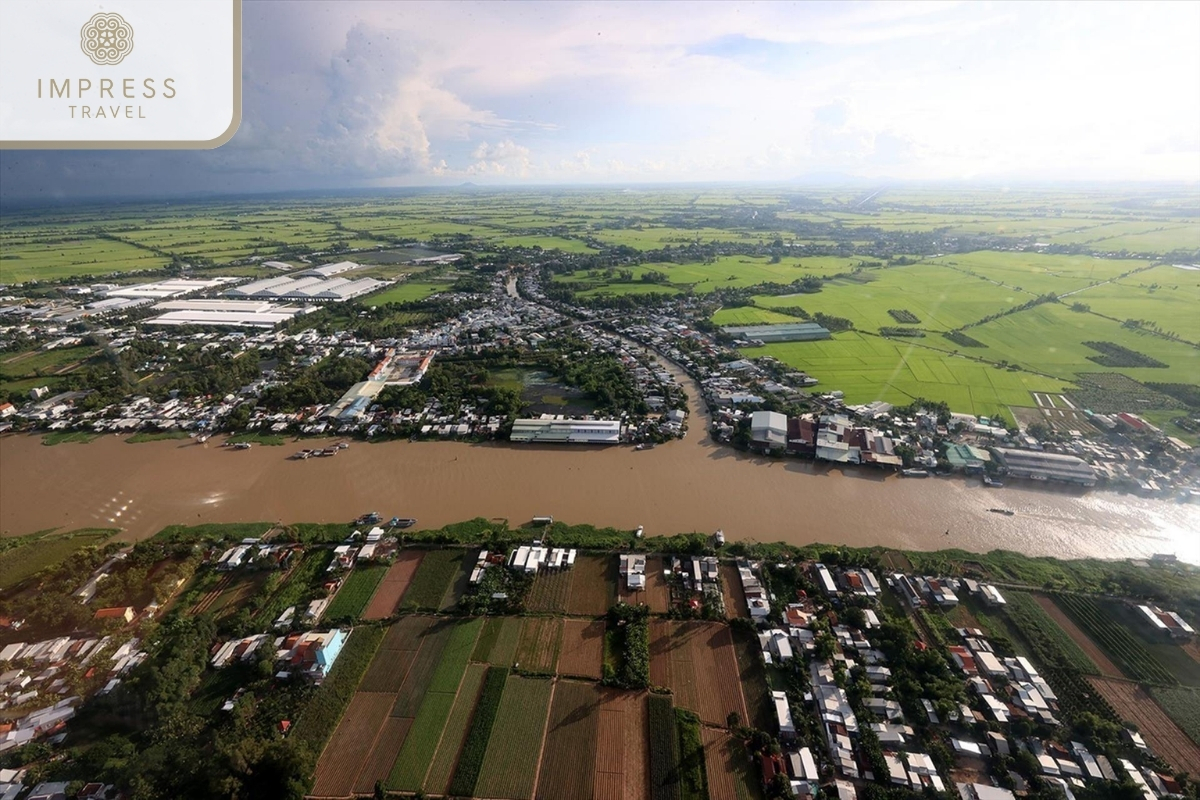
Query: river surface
{"type": "Point", "coordinates": [689, 485]}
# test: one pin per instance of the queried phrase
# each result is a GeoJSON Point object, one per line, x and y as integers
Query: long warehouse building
{"type": "Point", "coordinates": [1040, 466]}
{"type": "Point", "coordinates": [566, 431]}
{"type": "Point", "coordinates": [311, 289]}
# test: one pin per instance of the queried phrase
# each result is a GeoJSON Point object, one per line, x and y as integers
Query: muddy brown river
{"type": "Point", "coordinates": [689, 485]}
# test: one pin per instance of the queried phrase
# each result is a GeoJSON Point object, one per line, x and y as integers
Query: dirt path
{"type": "Point", "coordinates": [1164, 736]}
{"type": "Point", "coordinates": [1106, 667]}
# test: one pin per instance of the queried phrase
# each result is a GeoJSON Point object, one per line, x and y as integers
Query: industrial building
{"type": "Point", "coordinates": [226, 313]}
{"type": "Point", "coordinates": [787, 332]}
{"type": "Point", "coordinates": [1041, 466]}
{"type": "Point", "coordinates": [313, 289]}
{"type": "Point", "coordinates": [556, 430]}
{"type": "Point", "coordinates": [327, 270]}
{"type": "Point", "coordinates": [769, 429]}
{"type": "Point", "coordinates": [161, 290]}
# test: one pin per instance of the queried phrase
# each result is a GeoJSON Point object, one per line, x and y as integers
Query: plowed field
{"type": "Point", "coordinates": [550, 591]}
{"type": "Point", "coordinates": [394, 584]}
{"type": "Point", "coordinates": [725, 765]}
{"type": "Point", "coordinates": [622, 750]}
{"type": "Point", "coordinates": [570, 743]}
{"type": "Point", "coordinates": [1164, 736]}
{"type": "Point", "coordinates": [731, 589]}
{"type": "Point", "coordinates": [582, 648]}
{"type": "Point", "coordinates": [352, 742]}
{"type": "Point", "coordinates": [387, 746]}
{"type": "Point", "coordinates": [593, 588]}
{"type": "Point", "coordinates": [697, 662]}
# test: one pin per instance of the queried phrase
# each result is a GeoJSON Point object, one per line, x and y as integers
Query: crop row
{"type": "Point", "coordinates": [692, 779]}
{"type": "Point", "coordinates": [1182, 705]}
{"type": "Point", "coordinates": [1077, 696]}
{"type": "Point", "coordinates": [475, 747]}
{"type": "Point", "coordinates": [355, 593]}
{"type": "Point", "coordinates": [321, 715]}
{"type": "Point", "coordinates": [1050, 643]}
{"type": "Point", "coordinates": [633, 626]}
{"type": "Point", "coordinates": [664, 749]}
{"type": "Point", "coordinates": [1115, 640]}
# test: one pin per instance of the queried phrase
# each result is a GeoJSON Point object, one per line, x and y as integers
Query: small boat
{"type": "Point", "coordinates": [915, 473]}
{"type": "Point", "coordinates": [1008, 512]}
{"type": "Point", "coordinates": [645, 446]}
{"type": "Point", "coordinates": [202, 438]}
{"type": "Point", "coordinates": [639, 531]}
{"type": "Point", "coordinates": [719, 537]}
{"type": "Point", "coordinates": [368, 519]}
{"type": "Point", "coordinates": [987, 481]}
{"type": "Point", "coordinates": [342, 445]}
{"type": "Point", "coordinates": [403, 522]}
{"type": "Point", "coordinates": [242, 446]}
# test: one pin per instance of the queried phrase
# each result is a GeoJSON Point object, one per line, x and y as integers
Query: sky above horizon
{"type": "Point", "coordinates": [376, 94]}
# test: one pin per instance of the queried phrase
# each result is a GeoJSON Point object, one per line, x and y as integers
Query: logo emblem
{"type": "Point", "coordinates": [106, 39]}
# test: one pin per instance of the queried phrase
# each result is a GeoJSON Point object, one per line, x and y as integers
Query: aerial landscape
{"type": "Point", "coordinates": [370, 459]}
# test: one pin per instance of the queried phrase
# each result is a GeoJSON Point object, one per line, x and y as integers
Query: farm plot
{"type": "Point", "coordinates": [432, 579]}
{"type": "Point", "coordinates": [731, 589]}
{"type": "Point", "coordinates": [1103, 665]}
{"type": "Point", "coordinates": [497, 643]}
{"type": "Point", "coordinates": [352, 742]}
{"type": "Point", "coordinates": [461, 582]}
{"type": "Point", "coordinates": [538, 649]}
{"type": "Point", "coordinates": [392, 587]}
{"type": "Point", "coordinates": [582, 648]}
{"type": "Point", "coordinates": [1164, 736]}
{"type": "Point", "coordinates": [593, 589]}
{"type": "Point", "coordinates": [479, 731]}
{"type": "Point", "coordinates": [754, 680]}
{"type": "Point", "coordinates": [455, 733]}
{"type": "Point", "coordinates": [395, 655]}
{"type": "Point", "coordinates": [392, 737]}
{"type": "Point", "coordinates": [570, 743]}
{"type": "Point", "coordinates": [408, 772]}
{"type": "Point", "coordinates": [656, 595]}
{"type": "Point", "coordinates": [550, 592]}
{"type": "Point", "coordinates": [1182, 705]}
{"type": "Point", "coordinates": [697, 662]}
{"type": "Point", "coordinates": [424, 668]}
{"type": "Point", "coordinates": [1051, 643]}
{"type": "Point", "coordinates": [1103, 627]}
{"type": "Point", "coordinates": [355, 593]}
{"type": "Point", "coordinates": [435, 696]}
{"type": "Point", "coordinates": [728, 777]}
{"type": "Point", "coordinates": [623, 751]}
{"type": "Point", "coordinates": [514, 749]}
{"type": "Point", "coordinates": [664, 749]}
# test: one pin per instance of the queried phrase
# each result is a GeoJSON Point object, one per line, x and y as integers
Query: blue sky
{"type": "Point", "coordinates": [350, 94]}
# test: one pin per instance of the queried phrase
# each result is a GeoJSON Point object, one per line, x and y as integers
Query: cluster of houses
{"type": "Point", "coordinates": [1005, 689]}
{"type": "Point", "coordinates": [534, 557]}
{"type": "Point", "coordinates": [1028, 694]}
{"type": "Point", "coordinates": [38, 680]}
{"type": "Point", "coordinates": [307, 655]}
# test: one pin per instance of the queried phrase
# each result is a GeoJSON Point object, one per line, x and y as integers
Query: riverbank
{"type": "Point", "coordinates": [688, 485]}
